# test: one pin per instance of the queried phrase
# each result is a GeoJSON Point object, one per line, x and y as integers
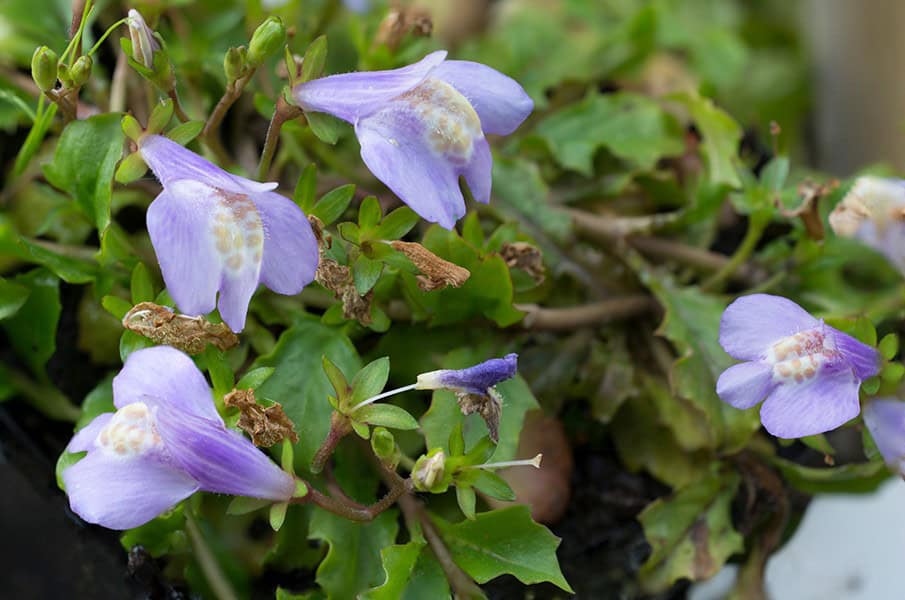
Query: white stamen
{"type": "Point", "coordinates": [528, 462]}
{"type": "Point", "coordinates": [383, 395]}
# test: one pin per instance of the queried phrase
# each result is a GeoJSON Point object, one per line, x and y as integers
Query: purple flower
{"type": "Point", "coordinates": [164, 442]}
{"type": "Point", "coordinates": [885, 419]}
{"type": "Point", "coordinates": [214, 231]}
{"type": "Point", "coordinates": [808, 372]}
{"type": "Point", "coordinates": [873, 212]}
{"type": "Point", "coordinates": [422, 126]}
{"type": "Point", "coordinates": [473, 380]}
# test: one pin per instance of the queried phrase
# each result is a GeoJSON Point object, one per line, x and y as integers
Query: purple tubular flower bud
{"type": "Point", "coordinates": [473, 380]}
{"type": "Point", "coordinates": [165, 442]}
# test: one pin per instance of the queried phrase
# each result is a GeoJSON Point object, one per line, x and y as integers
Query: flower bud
{"type": "Point", "coordinates": [63, 74]}
{"type": "Point", "coordinates": [144, 44]}
{"type": "Point", "coordinates": [427, 475]}
{"type": "Point", "coordinates": [44, 68]}
{"type": "Point", "coordinates": [384, 444]}
{"type": "Point", "coordinates": [81, 71]}
{"type": "Point", "coordinates": [234, 63]}
{"type": "Point", "coordinates": [266, 40]}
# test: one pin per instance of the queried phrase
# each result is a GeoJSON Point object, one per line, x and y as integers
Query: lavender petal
{"type": "Point", "coordinates": [885, 419]}
{"type": "Point", "coordinates": [236, 290]}
{"type": "Point", "coordinates": [123, 493]}
{"type": "Point", "coordinates": [814, 406]}
{"type": "Point", "coordinates": [220, 459]}
{"type": "Point", "coordinates": [352, 96]}
{"type": "Point", "coordinates": [864, 359]}
{"type": "Point", "coordinates": [290, 249]}
{"type": "Point", "coordinates": [181, 236]}
{"type": "Point", "coordinates": [83, 439]}
{"type": "Point", "coordinates": [395, 149]}
{"type": "Point", "coordinates": [478, 172]}
{"type": "Point", "coordinates": [163, 377]}
{"type": "Point", "coordinates": [171, 162]}
{"type": "Point", "coordinates": [746, 384]}
{"type": "Point", "coordinates": [751, 324]}
{"type": "Point", "coordinates": [499, 100]}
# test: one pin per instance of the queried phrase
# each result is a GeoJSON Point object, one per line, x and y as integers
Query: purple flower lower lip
{"type": "Point", "coordinates": [214, 231]}
{"type": "Point", "coordinates": [421, 127]}
{"type": "Point", "coordinates": [809, 372]}
{"type": "Point", "coordinates": [165, 442]}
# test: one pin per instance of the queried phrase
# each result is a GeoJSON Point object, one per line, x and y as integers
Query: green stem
{"type": "Point", "coordinates": [107, 33]}
{"type": "Point", "coordinates": [339, 428]}
{"type": "Point", "coordinates": [757, 223]}
{"type": "Point", "coordinates": [207, 561]}
{"type": "Point", "coordinates": [211, 132]}
{"type": "Point", "coordinates": [281, 113]}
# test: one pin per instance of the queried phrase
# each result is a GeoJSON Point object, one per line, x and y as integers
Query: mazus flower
{"type": "Point", "coordinates": [885, 419]}
{"type": "Point", "coordinates": [421, 127]}
{"type": "Point", "coordinates": [214, 231]}
{"type": "Point", "coordinates": [873, 212]}
{"type": "Point", "coordinates": [164, 442]}
{"type": "Point", "coordinates": [809, 372]}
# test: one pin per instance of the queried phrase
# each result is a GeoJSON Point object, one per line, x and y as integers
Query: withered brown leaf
{"type": "Point", "coordinates": [266, 426]}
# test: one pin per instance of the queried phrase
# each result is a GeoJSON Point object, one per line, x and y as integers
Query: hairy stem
{"type": "Point", "coordinates": [281, 113]}
{"type": "Point", "coordinates": [211, 132]}
{"type": "Point", "coordinates": [756, 226]}
{"type": "Point", "coordinates": [339, 428]}
{"type": "Point", "coordinates": [349, 509]}
{"type": "Point", "coordinates": [177, 106]}
{"type": "Point", "coordinates": [461, 584]}
{"type": "Point", "coordinates": [539, 318]}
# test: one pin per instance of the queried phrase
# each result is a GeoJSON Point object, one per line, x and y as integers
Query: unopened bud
{"type": "Point", "coordinates": [144, 44]}
{"type": "Point", "coordinates": [63, 74]}
{"type": "Point", "coordinates": [81, 71]}
{"type": "Point", "coordinates": [234, 63]}
{"type": "Point", "coordinates": [267, 39]}
{"type": "Point", "coordinates": [384, 444]}
{"type": "Point", "coordinates": [427, 475]}
{"type": "Point", "coordinates": [44, 68]}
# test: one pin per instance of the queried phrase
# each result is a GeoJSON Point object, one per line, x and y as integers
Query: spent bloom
{"type": "Point", "coordinates": [873, 212]}
{"type": "Point", "coordinates": [215, 231]}
{"type": "Point", "coordinates": [421, 127]}
{"type": "Point", "coordinates": [808, 372]}
{"type": "Point", "coordinates": [885, 419]}
{"type": "Point", "coordinates": [164, 442]}
{"type": "Point", "coordinates": [479, 379]}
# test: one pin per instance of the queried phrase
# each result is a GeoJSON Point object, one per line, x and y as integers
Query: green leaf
{"type": "Point", "coordinates": [32, 330]}
{"type": "Point", "coordinates": [385, 415]}
{"type": "Point", "coordinates": [98, 401]}
{"type": "Point", "coordinates": [84, 163]}
{"type": "Point", "coordinates": [12, 297]}
{"type": "Point", "coordinates": [242, 506]}
{"type": "Point", "coordinates": [369, 214]}
{"type": "Point", "coordinates": [184, 133]}
{"type": "Point", "coordinates": [845, 479]}
{"type": "Point", "coordinates": [325, 127]}
{"type": "Point", "coordinates": [519, 187]}
{"type": "Point", "coordinates": [300, 384]}
{"type": "Point", "coordinates": [492, 485]}
{"type": "Point", "coordinates": [67, 268]}
{"type": "Point", "coordinates": [504, 541]}
{"type": "Point", "coordinates": [116, 306]}
{"type": "Point", "coordinates": [304, 195]}
{"type": "Point", "coordinates": [160, 116]}
{"type": "Point", "coordinates": [254, 378]}
{"type": "Point", "coordinates": [132, 168]}
{"type": "Point", "coordinates": [370, 381]}
{"type": "Point", "coordinates": [334, 203]}
{"type": "Point", "coordinates": [35, 137]}
{"type": "Point", "coordinates": [889, 346]}
{"type": "Point", "coordinates": [278, 515]}
{"type": "Point", "coordinates": [631, 126]}
{"type": "Point", "coordinates": [691, 532]}
{"type": "Point", "coordinates": [412, 573]}
{"type": "Point", "coordinates": [692, 324]}
{"type": "Point", "coordinates": [352, 562]}
{"type": "Point", "coordinates": [315, 58]}
{"type": "Point", "coordinates": [163, 535]}
{"type": "Point", "coordinates": [142, 286]}
{"type": "Point", "coordinates": [396, 224]}
{"type": "Point", "coordinates": [721, 136]}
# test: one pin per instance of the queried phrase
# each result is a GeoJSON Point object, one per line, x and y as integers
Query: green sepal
{"type": "Point", "coordinates": [240, 505]}
{"type": "Point", "coordinates": [278, 515]}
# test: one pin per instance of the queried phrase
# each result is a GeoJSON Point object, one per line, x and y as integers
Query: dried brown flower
{"type": "Point", "coordinates": [490, 407]}
{"type": "Point", "coordinates": [436, 272]}
{"type": "Point", "coordinates": [266, 426]}
{"type": "Point", "coordinates": [189, 334]}
{"type": "Point", "coordinates": [524, 256]}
